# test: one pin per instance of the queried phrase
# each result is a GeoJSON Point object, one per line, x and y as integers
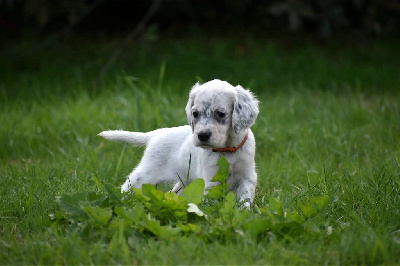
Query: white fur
{"type": "Point", "coordinates": [219, 115]}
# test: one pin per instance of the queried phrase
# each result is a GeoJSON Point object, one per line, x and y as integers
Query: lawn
{"type": "Point", "coordinates": [329, 127]}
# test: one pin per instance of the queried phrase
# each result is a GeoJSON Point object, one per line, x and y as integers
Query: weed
{"type": "Point", "coordinates": [151, 213]}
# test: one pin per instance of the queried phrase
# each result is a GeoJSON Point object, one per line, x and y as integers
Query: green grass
{"type": "Point", "coordinates": [329, 124]}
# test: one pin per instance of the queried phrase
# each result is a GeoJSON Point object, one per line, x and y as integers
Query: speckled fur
{"type": "Point", "coordinates": [219, 115]}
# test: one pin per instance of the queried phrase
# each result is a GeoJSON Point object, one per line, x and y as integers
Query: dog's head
{"type": "Point", "coordinates": [216, 110]}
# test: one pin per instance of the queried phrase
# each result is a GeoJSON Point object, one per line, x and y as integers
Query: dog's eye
{"type": "Point", "coordinates": [220, 114]}
{"type": "Point", "coordinates": [195, 114]}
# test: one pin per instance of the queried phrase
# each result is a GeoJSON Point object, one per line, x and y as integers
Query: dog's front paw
{"type": "Point", "coordinates": [246, 205]}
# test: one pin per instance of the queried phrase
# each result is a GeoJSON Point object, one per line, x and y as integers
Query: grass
{"type": "Point", "coordinates": [329, 125]}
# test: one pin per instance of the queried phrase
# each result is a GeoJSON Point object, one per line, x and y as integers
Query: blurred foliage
{"type": "Point", "coordinates": [320, 16]}
{"type": "Point", "coordinates": [44, 10]}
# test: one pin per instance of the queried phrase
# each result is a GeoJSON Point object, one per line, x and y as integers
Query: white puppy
{"type": "Point", "coordinates": [220, 116]}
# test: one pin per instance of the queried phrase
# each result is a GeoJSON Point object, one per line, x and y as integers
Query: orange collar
{"type": "Point", "coordinates": [231, 149]}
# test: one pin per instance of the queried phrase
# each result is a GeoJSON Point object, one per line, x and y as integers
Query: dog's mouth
{"type": "Point", "coordinates": [205, 146]}
{"type": "Point", "coordinates": [208, 146]}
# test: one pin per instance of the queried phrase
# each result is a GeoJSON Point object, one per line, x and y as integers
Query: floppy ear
{"type": "Point", "coordinates": [245, 110]}
{"type": "Point", "coordinates": [190, 103]}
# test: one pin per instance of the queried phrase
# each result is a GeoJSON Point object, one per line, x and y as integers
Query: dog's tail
{"type": "Point", "coordinates": [134, 138]}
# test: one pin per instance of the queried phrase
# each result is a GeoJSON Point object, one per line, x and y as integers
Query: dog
{"type": "Point", "coordinates": [220, 116]}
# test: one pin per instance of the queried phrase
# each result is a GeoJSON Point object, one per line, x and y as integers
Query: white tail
{"type": "Point", "coordinates": [134, 138]}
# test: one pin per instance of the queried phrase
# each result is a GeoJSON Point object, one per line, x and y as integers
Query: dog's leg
{"type": "Point", "coordinates": [243, 179]}
{"type": "Point", "coordinates": [246, 191]}
{"type": "Point", "coordinates": [178, 187]}
{"type": "Point", "coordinates": [145, 173]}
{"type": "Point", "coordinates": [136, 179]}
{"type": "Point", "coordinates": [156, 166]}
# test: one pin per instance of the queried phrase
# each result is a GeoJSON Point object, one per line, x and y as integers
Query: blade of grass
{"type": "Point", "coordinates": [121, 156]}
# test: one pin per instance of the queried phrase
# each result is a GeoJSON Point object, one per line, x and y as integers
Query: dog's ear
{"type": "Point", "coordinates": [190, 103]}
{"type": "Point", "coordinates": [245, 110]}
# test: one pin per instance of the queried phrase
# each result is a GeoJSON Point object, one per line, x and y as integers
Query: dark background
{"type": "Point", "coordinates": [321, 19]}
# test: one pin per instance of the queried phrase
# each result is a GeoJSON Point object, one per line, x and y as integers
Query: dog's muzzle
{"type": "Point", "coordinates": [204, 136]}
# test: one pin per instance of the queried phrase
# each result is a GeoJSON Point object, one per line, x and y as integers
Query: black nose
{"type": "Point", "coordinates": [204, 136]}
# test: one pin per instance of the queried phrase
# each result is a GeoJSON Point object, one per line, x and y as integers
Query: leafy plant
{"type": "Point", "coordinates": [149, 213]}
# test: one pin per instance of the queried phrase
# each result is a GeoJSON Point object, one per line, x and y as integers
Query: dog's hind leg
{"type": "Point", "coordinates": [178, 187]}
{"type": "Point", "coordinates": [134, 180]}
{"type": "Point", "coordinates": [141, 175]}
{"type": "Point", "coordinates": [152, 169]}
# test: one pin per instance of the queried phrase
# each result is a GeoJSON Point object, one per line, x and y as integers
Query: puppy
{"type": "Point", "coordinates": [220, 116]}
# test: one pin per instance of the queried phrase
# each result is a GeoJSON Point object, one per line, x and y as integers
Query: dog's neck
{"type": "Point", "coordinates": [228, 148]}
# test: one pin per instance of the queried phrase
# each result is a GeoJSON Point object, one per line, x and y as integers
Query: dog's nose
{"type": "Point", "coordinates": [204, 136]}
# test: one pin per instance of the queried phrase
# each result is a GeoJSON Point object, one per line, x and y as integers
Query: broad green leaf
{"type": "Point", "coordinates": [176, 206]}
{"type": "Point", "coordinates": [296, 217]}
{"type": "Point", "coordinates": [161, 231]}
{"type": "Point", "coordinates": [308, 210]}
{"type": "Point", "coordinates": [174, 202]}
{"type": "Point", "coordinates": [229, 211]}
{"type": "Point", "coordinates": [223, 171]}
{"type": "Point", "coordinates": [114, 194]}
{"type": "Point", "coordinates": [193, 208]}
{"type": "Point", "coordinates": [98, 200]}
{"type": "Point", "coordinates": [256, 227]}
{"type": "Point", "coordinates": [288, 228]}
{"type": "Point", "coordinates": [321, 202]}
{"type": "Point", "coordinates": [153, 226]}
{"type": "Point", "coordinates": [70, 204]}
{"type": "Point", "coordinates": [138, 194]}
{"type": "Point", "coordinates": [193, 193]}
{"type": "Point", "coordinates": [102, 215]}
{"type": "Point", "coordinates": [216, 192]}
{"type": "Point", "coordinates": [156, 196]}
{"type": "Point", "coordinates": [276, 206]}
{"type": "Point", "coordinates": [134, 214]}
{"type": "Point", "coordinates": [229, 204]}
{"type": "Point", "coordinates": [190, 228]}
